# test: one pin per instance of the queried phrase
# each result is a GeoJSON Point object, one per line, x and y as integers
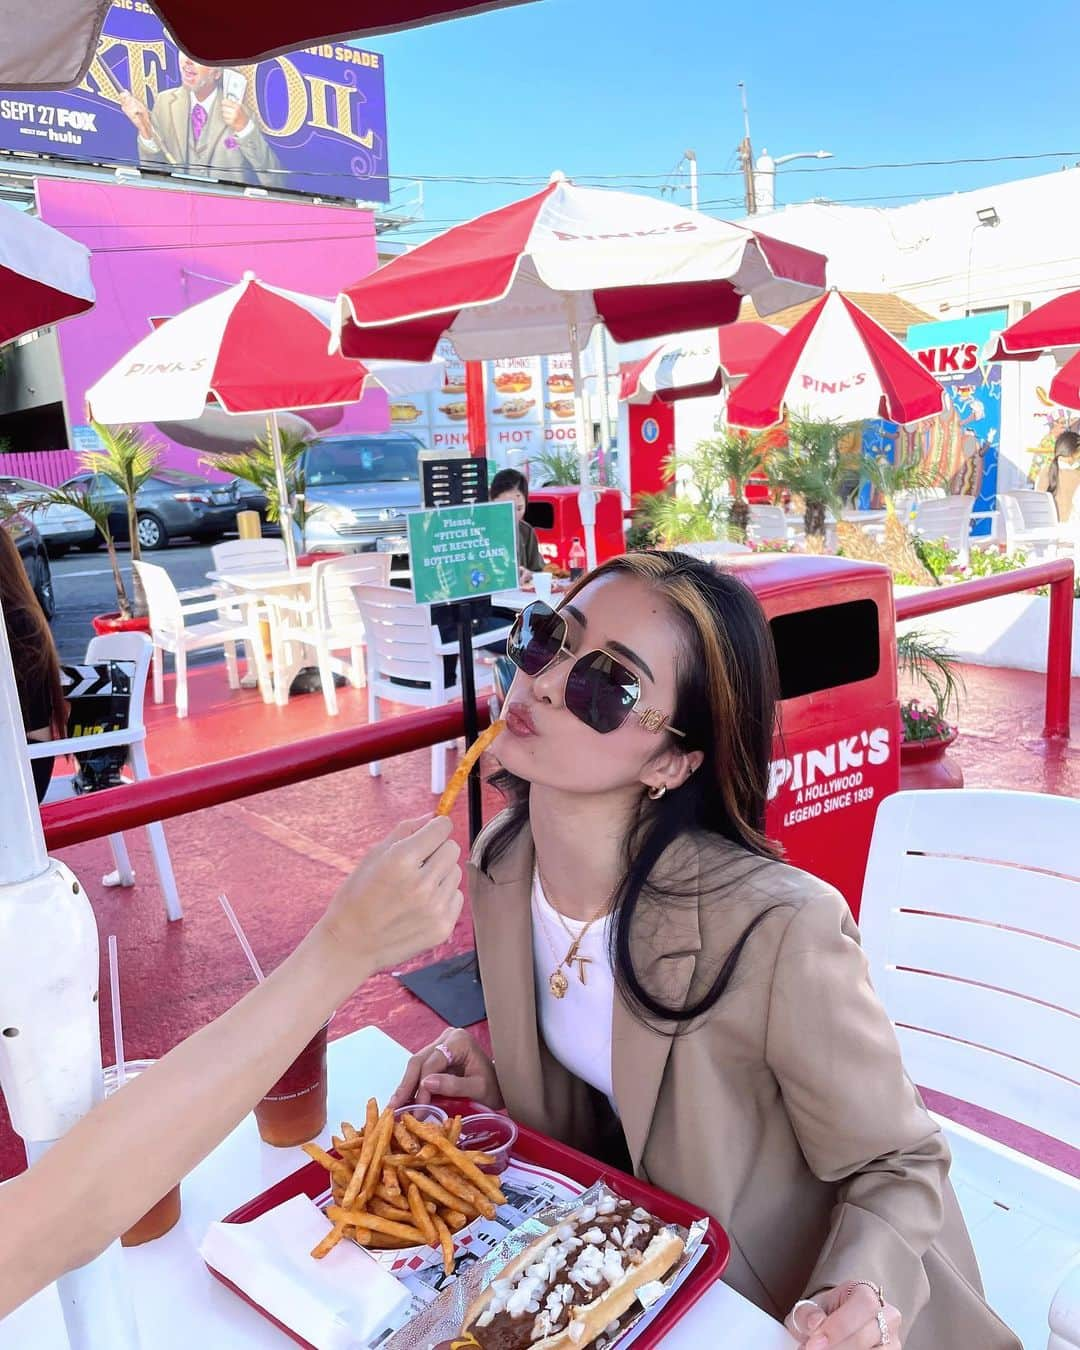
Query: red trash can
{"type": "Point", "coordinates": [555, 515]}
{"type": "Point", "coordinates": [837, 752]}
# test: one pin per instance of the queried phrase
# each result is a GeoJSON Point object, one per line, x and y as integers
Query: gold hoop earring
{"type": "Point", "coordinates": [655, 793]}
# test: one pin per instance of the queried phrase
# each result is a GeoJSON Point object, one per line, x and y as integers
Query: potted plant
{"type": "Point", "coordinates": [256, 465]}
{"type": "Point", "coordinates": [127, 458]}
{"type": "Point", "coordinates": [927, 733]}
{"type": "Point", "coordinates": [822, 465]}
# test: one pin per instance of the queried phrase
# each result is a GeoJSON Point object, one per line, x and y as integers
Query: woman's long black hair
{"type": "Point", "coordinates": [726, 703]}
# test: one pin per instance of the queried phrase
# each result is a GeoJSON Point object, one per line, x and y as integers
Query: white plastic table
{"type": "Point", "coordinates": [180, 1306]}
{"type": "Point", "coordinates": [265, 585]}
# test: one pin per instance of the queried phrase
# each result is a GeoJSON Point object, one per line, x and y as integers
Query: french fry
{"type": "Point", "coordinates": [352, 1137]}
{"type": "Point", "coordinates": [390, 1181]}
{"type": "Point", "coordinates": [387, 1211]}
{"type": "Point", "coordinates": [371, 1116]}
{"type": "Point", "coordinates": [360, 1171]}
{"type": "Point", "coordinates": [461, 773]}
{"type": "Point", "coordinates": [381, 1135]}
{"type": "Point", "coordinates": [420, 1215]}
{"type": "Point", "coordinates": [454, 1219]}
{"type": "Point", "coordinates": [329, 1242]}
{"type": "Point", "coordinates": [405, 1141]}
{"type": "Point", "coordinates": [446, 1242]}
{"type": "Point", "coordinates": [438, 1193]}
{"type": "Point", "coordinates": [409, 1234]}
{"type": "Point", "coordinates": [457, 1185]}
{"type": "Point", "coordinates": [454, 1132]}
{"type": "Point", "coordinates": [460, 1160]}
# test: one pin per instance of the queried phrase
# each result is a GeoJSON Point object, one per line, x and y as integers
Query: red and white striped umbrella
{"type": "Point", "coordinates": [534, 279]}
{"type": "Point", "coordinates": [44, 275]}
{"type": "Point", "coordinates": [698, 364]}
{"type": "Point", "coordinates": [1052, 328]}
{"type": "Point", "coordinates": [836, 364]}
{"type": "Point", "coordinates": [522, 280]}
{"type": "Point", "coordinates": [252, 349]}
{"type": "Point", "coordinates": [54, 48]}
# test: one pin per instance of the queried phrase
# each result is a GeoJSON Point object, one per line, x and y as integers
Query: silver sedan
{"type": "Point", "coordinates": [61, 527]}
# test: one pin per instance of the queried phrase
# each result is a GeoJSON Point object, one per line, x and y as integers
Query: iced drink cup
{"type": "Point", "coordinates": [157, 1220]}
{"type": "Point", "coordinates": [294, 1110]}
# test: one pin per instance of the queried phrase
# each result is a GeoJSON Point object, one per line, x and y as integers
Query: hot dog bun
{"type": "Point", "coordinates": [587, 1319]}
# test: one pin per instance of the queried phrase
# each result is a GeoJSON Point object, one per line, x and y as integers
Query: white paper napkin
{"type": "Point", "coordinates": [343, 1302]}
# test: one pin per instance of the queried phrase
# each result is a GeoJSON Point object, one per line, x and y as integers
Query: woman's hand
{"type": "Point", "coordinates": [453, 1066]}
{"type": "Point", "coordinates": [404, 898]}
{"type": "Point", "coordinates": [849, 1317]}
{"type": "Point", "coordinates": [524, 576]}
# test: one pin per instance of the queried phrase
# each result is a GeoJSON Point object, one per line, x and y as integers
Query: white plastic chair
{"type": "Point", "coordinates": [403, 644]}
{"type": "Point", "coordinates": [331, 621]}
{"type": "Point", "coordinates": [171, 633]}
{"type": "Point", "coordinates": [710, 549]}
{"type": "Point", "coordinates": [1032, 525]}
{"type": "Point", "coordinates": [947, 518]}
{"type": "Point", "coordinates": [906, 501]}
{"type": "Point", "coordinates": [243, 555]}
{"type": "Point", "coordinates": [971, 923]}
{"type": "Point", "coordinates": [137, 649]}
{"type": "Point", "coordinates": [767, 524]}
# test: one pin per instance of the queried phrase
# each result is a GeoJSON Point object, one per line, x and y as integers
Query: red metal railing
{"type": "Point", "coordinates": [176, 794]}
{"type": "Point", "coordinates": [1059, 575]}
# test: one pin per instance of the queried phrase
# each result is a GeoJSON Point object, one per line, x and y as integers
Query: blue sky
{"type": "Point", "coordinates": [625, 86]}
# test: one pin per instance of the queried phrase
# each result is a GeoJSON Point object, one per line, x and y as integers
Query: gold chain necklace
{"type": "Point", "coordinates": [557, 981]}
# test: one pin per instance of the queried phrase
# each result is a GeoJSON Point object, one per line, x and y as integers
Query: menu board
{"type": "Point", "coordinates": [529, 402]}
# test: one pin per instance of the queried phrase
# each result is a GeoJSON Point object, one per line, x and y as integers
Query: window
{"type": "Point", "coordinates": [825, 648]}
{"type": "Point", "coordinates": [362, 459]}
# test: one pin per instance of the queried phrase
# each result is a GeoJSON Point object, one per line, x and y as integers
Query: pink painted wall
{"type": "Point", "coordinates": [156, 252]}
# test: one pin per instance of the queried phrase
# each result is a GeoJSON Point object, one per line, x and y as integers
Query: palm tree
{"type": "Point", "coordinates": [673, 520]}
{"type": "Point", "coordinates": [98, 511]}
{"type": "Point", "coordinates": [820, 464]}
{"type": "Point", "coordinates": [889, 478]}
{"type": "Point", "coordinates": [256, 465]}
{"type": "Point", "coordinates": [732, 458]}
{"type": "Point", "coordinates": [128, 457]}
{"type": "Point", "coordinates": [927, 658]}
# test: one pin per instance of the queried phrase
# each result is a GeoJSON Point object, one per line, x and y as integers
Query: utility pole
{"type": "Point", "coordinates": [691, 159]}
{"type": "Point", "coordinates": [746, 157]}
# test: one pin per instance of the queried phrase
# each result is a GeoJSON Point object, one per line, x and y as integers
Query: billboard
{"type": "Point", "coordinates": [313, 121]}
{"type": "Point", "coordinates": [530, 408]}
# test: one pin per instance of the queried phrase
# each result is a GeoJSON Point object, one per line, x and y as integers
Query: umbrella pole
{"type": "Point", "coordinates": [285, 503]}
{"type": "Point", "coordinates": [50, 1052]}
{"type": "Point", "coordinates": [586, 495]}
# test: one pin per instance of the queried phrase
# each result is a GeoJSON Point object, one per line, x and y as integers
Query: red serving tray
{"type": "Point", "coordinates": [537, 1148]}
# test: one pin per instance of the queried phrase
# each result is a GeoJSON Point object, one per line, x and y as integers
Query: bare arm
{"type": "Point", "coordinates": [404, 897]}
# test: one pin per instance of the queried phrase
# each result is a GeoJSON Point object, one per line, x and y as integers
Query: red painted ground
{"type": "Point", "coordinates": [279, 856]}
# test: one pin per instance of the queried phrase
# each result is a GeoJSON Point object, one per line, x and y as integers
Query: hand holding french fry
{"type": "Point", "coordinates": [404, 898]}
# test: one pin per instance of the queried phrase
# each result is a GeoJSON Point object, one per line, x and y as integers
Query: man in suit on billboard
{"type": "Point", "coordinates": [199, 126]}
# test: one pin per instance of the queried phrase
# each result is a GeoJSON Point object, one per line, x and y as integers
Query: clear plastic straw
{"type": "Point", "coordinates": [241, 936]}
{"type": "Point", "coordinates": [117, 1020]}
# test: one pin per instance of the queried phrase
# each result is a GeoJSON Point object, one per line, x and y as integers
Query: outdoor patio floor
{"type": "Point", "coordinates": [279, 856]}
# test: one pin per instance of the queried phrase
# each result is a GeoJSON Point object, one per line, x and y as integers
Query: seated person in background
{"type": "Point", "coordinates": [34, 658]}
{"type": "Point", "coordinates": [509, 485]}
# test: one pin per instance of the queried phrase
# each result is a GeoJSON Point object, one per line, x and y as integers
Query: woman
{"type": "Point", "coordinates": [659, 985]}
{"type": "Point", "coordinates": [1061, 476]}
{"type": "Point", "coordinates": [33, 655]}
{"type": "Point", "coordinates": [402, 899]}
{"type": "Point", "coordinates": [509, 485]}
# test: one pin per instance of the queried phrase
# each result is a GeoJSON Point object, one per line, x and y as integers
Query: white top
{"type": "Point", "coordinates": [577, 1028]}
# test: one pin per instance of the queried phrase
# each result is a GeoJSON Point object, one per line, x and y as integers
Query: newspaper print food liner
{"type": "Point", "coordinates": [441, 1320]}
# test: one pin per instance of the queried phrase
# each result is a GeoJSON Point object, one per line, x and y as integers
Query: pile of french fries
{"type": "Point", "coordinates": [404, 1183]}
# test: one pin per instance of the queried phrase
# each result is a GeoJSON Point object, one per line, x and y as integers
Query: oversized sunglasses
{"type": "Point", "coordinates": [600, 690]}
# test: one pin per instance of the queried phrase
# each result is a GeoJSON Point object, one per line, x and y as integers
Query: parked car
{"type": "Point", "coordinates": [61, 527]}
{"type": "Point", "coordinates": [32, 550]}
{"type": "Point", "coordinates": [361, 488]}
{"type": "Point", "coordinates": [170, 505]}
{"type": "Point", "coordinates": [251, 497]}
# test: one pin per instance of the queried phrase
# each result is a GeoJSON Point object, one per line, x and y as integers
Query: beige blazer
{"type": "Point", "coordinates": [170, 118]}
{"type": "Point", "coordinates": [785, 1112]}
